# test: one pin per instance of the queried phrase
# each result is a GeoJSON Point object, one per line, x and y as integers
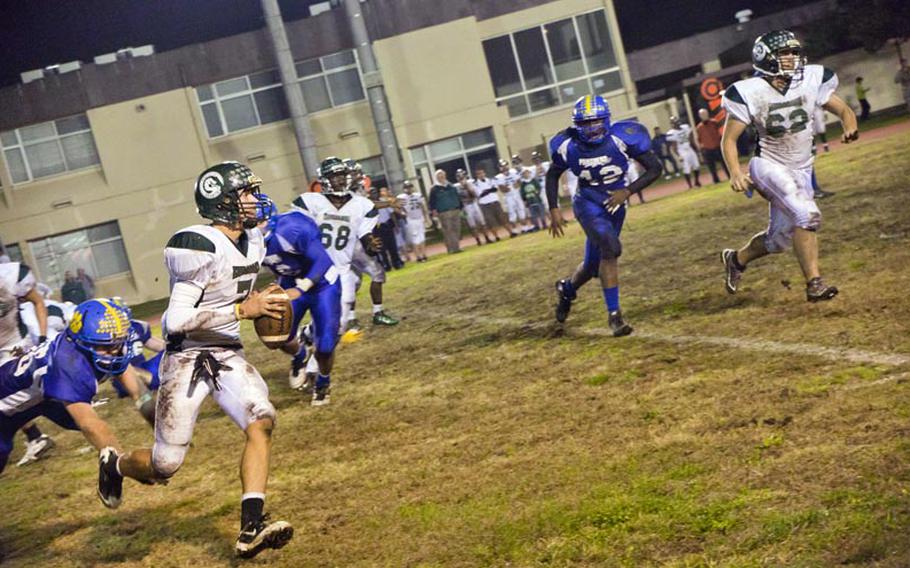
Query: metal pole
{"type": "Point", "coordinates": [372, 80]}
{"type": "Point", "coordinates": [306, 143]}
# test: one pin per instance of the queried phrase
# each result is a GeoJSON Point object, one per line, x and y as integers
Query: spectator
{"type": "Point", "coordinates": [903, 79]}
{"type": "Point", "coordinates": [709, 133]}
{"type": "Point", "coordinates": [488, 198]}
{"type": "Point", "coordinates": [530, 190]}
{"type": "Point", "coordinates": [72, 290]}
{"type": "Point", "coordinates": [659, 147]}
{"type": "Point", "coordinates": [861, 91]}
{"type": "Point", "coordinates": [445, 205]}
{"type": "Point", "coordinates": [88, 283]}
{"type": "Point", "coordinates": [388, 256]}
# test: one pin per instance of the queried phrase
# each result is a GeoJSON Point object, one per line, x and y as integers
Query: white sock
{"type": "Point", "coordinates": [252, 495]}
{"type": "Point", "coordinates": [377, 308]}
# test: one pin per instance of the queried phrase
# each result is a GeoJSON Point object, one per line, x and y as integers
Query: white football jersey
{"type": "Point", "coordinates": [340, 227]}
{"type": "Point", "coordinates": [483, 188]}
{"type": "Point", "coordinates": [540, 172]}
{"type": "Point", "coordinates": [413, 205]}
{"type": "Point", "coordinates": [783, 120]}
{"type": "Point", "coordinates": [225, 271]}
{"type": "Point", "coordinates": [16, 280]}
{"type": "Point", "coordinates": [681, 137]}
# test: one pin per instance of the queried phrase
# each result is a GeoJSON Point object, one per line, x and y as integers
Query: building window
{"type": "Point", "coordinates": [13, 251]}
{"type": "Point", "coordinates": [242, 102]}
{"type": "Point", "coordinates": [553, 64]}
{"type": "Point", "coordinates": [375, 168]}
{"type": "Point", "coordinates": [98, 250]}
{"type": "Point", "coordinates": [469, 152]}
{"type": "Point", "coordinates": [49, 148]}
{"type": "Point", "coordinates": [257, 99]}
{"type": "Point", "coordinates": [330, 81]}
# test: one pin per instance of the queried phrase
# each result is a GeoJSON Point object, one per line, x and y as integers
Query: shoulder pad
{"type": "Point", "coordinates": [633, 134]}
{"type": "Point", "coordinates": [54, 310]}
{"type": "Point", "coordinates": [299, 202]}
{"type": "Point", "coordinates": [191, 240]}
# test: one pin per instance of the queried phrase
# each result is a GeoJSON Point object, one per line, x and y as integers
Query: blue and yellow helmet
{"type": "Point", "coordinates": [591, 116]}
{"type": "Point", "coordinates": [100, 328]}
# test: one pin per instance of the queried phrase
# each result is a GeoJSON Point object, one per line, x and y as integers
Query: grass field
{"type": "Point", "coordinates": [736, 431]}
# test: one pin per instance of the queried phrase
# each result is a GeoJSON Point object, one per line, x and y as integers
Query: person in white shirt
{"type": "Point", "coordinates": [417, 218]}
{"type": "Point", "coordinates": [681, 143]}
{"type": "Point", "coordinates": [488, 198]}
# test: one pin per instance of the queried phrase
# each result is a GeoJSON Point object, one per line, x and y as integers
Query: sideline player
{"type": "Point", "coordinates": [472, 213]}
{"type": "Point", "coordinates": [681, 141]}
{"type": "Point", "coordinates": [58, 379]}
{"type": "Point", "coordinates": [599, 153]}
{"type": "Point", "coordinates": [780, 103]}
{"type": "Point", "coordinates": [507, 181]}
{"type": "Point", "coordinates": [294, 253]}
{"type": "Point", "coordinates": [416, 220]}
{"type": "Point", "coordinates": [213, 270]}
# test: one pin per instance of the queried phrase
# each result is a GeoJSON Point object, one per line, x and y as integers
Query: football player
{"type": "Point", "coordinates": [507, 181]}
{"type": "Point", "coordinates": [363, 263]}
{"type": "Point", "coordinates": [294, 253]}
{"type": "Point", "coordinates": [780, 102]}
{"type": "Point", "coordinates": [681, 141]}
{"type": "Point", "coordinates": [18, 285]}
{"type": "Point", "coordinates": [598, 152]}
{"type": "Point", "coordinates": [58, 378]}
{"type": "Point", "coordinates": [417, 217]}
{"type": "Point", "coordinates": [472, 213]}
{"type": "Point", "coordinates": [344, 219]}
{"type": "Point", "coordinates": [213, 270]}
{"type": "Point", "coordinates": [141, 377]}
{"type": "Point", "coordinates": [540, 167]}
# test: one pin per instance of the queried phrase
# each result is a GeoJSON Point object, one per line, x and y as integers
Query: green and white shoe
{"type": "Point", "coordinates": [382, 318]}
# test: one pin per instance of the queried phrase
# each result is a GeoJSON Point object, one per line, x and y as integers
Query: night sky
{"type": "Point", "coordinates": [37, 33]}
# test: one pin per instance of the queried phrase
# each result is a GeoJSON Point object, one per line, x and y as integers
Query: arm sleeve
{"type": "Point", "coordinates": [652, 171]}
{"type": "Point", "coordinates": [552, 183]}
{"type": "Point", "coordinates": [559, 150]}
{"type": "Point", "coordinates": [191, 270]}
{"type": "Point", "coordinates": [828, 86]}
{"type": "Point", "coordinates": [736, 106]}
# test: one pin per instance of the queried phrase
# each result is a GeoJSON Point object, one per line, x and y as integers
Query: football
{"type": "Point", "coordinates": [274, 332]}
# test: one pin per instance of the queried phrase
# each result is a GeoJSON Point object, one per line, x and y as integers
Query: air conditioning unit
{"type": "Point", "coordinates": [31, 75]}
{"type": "Point", "coordinates": [124, 54]}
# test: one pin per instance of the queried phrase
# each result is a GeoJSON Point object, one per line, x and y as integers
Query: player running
{"type": "Point", "coordinates": [780, 103]}
{"type": "Point", "coordinates": [599, 153]}
{"type": "Point", "coordinates": [294, 253]}
{"type": "Point", "coordinates": [213, 270]}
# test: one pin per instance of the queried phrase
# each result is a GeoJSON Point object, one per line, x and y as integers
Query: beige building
{"type": "Point", "coordinates": [98, 164]}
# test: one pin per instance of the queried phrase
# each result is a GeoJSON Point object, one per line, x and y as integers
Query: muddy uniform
{"type": "Point", "coordinates": [209, 274]}
{"type": "Point", "coordinates": [515, 207]}
{"type": "Point", "coordinates": [782, 168]}
{"type": "Point", "coordinates": [415, 221]}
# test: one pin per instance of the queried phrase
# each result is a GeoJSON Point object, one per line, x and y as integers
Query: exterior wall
{"type": "Point", "coordinates": [877, 70]}
{"type": "Point", "coordinates": [151, 148]}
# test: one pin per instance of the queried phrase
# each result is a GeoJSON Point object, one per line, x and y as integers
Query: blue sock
{"type": "Point", "coordinates": [611, 297]}
{"type": "Point", "coordinates": [814, 181]}
{"type": "Point", "coordinates": [322, 380]}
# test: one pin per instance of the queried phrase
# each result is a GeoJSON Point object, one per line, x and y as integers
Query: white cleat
{"type": "Point", "coordinates": [36, 449]}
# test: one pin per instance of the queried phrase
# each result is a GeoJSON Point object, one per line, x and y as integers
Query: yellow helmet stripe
{"type": "Point", "coordinates": [589, 102]}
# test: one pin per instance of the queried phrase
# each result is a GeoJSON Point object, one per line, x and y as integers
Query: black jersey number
{"type": "Point", "coordinates": [244, 287]}
{"type": "Point", "coordinates": [339, 240]}
{"type": "Point", "coordinates": [775, 127]}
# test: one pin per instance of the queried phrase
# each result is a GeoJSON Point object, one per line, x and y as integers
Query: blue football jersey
{"type": "Point", "coordinates": [604, 165]}
{"type": "Point", "coordinates": [56, 370]}
{"type": "Point", "coordinates": [294, 249]}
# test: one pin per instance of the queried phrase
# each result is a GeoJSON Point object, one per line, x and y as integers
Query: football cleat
{"type": "Point", "coordinates": [297, 376]}
{"type": "Point", "coordinates": [259, 535]}
{"type": "Point", "coordinates": [382, 318]}
{"type": "Point", "coordinates": [618, 325]}
{"type": "Point", "coordinates": [110, 482]}
{"type": "Point", "coordinates": [818, 291]}
{"type": "Point", "coordinates": [733, 274]}
{"type": "Point", "coordinates": [565, 293]}
{"type": "Point", "coordinates": [36, 449]}
{"type": "Point", "coordinates": [321, 396]}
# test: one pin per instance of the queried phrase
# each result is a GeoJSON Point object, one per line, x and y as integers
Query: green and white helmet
{"type": "Point", "coordinates": [766, 53]}
{"type": "Point", "coordinates": [331, 168]}
{"type": "Point", "coordinates": [217, 193]}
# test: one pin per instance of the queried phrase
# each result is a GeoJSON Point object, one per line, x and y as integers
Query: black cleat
{"type": "Point", "coordinates": [564, 296]}
{"type": "Point", "coordinates": [818, 291]}
{"type": "Point", "coordinates": [110, 483]}
{"type": "Point", "coordinates": [734, 274]}
{"type": "Point", "coordinates": [619, 325]}
{"type": "Point", "coordinates": [261, 534]}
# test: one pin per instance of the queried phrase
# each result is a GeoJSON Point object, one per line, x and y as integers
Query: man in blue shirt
{"type": "Point", "coordinates": [59, 378]}
{"type": "Point", "coordinates": [297, 257]}
{"type": "Point", "coordinates": [598, 153]}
